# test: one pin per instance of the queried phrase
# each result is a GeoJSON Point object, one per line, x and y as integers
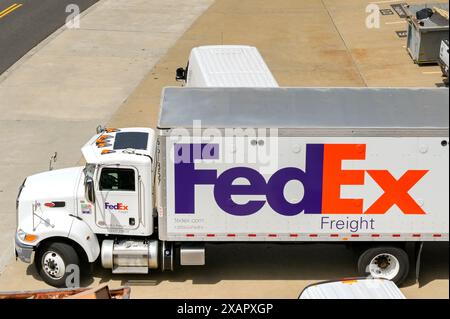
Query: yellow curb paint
{"type": "Point", "coordinates": [10, 9]}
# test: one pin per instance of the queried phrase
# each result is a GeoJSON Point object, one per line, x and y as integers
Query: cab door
{"type": "Point", "coordinates": [117, 198]}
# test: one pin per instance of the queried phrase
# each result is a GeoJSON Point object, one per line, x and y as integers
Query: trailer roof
{"type": "Point", "coordinates": [305, 107]}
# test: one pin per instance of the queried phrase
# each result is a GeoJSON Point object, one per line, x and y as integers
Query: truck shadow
{"type": "Point", "coordinates": [313, 262]}
{"type": "Point", "coordinates": [434, 262]}
{"type": "Point", "coordinates": [254, 262]}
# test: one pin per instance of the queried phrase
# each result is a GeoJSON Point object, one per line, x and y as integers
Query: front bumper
{"type": "Point", "coordinates": [24, 252]}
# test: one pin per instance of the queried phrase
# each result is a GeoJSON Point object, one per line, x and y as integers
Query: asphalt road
{"type": "Point", "coordinates": [25, 23]}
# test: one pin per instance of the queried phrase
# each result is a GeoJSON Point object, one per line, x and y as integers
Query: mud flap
{"type": "Point", "coordinates": [418, 247]}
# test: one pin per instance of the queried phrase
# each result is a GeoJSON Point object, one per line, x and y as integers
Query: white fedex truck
{"type": "Point", "coordinates": [364, 167]}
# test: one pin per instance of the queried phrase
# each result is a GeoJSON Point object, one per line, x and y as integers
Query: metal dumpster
{"type": "Point", "coordinates": [425, 36]}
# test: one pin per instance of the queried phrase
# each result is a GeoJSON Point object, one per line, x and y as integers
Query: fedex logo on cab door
{"type": "Point", "coordinates": [322, 179]}
{"type": "Point", "coordinates": [118, 206]}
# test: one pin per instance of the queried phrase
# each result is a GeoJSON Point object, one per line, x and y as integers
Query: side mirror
{"type": "Point", "coordinates": [180, 74]}
{"type": "Point", "coordinates": [89, 189]}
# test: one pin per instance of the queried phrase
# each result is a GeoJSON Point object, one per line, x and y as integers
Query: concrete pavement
{"type": "Point", "coordinates": [56, 95]}
{"type": "Point", "coordinates": [247, 271]}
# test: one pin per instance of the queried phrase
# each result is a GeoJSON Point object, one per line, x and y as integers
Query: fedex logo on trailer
{"type": "Point", "coordinates": [322, 179]}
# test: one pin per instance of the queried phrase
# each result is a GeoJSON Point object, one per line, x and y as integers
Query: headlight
{"type": "Point", "coordinates": [23, 236]}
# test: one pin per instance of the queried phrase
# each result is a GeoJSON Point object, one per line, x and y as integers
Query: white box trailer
{"type": "Point", "coordinates": [358, 166]}
{"type": "Point", "coordinates": [226, 66]}
{"type": "Point", "coordinates": [298, 164]}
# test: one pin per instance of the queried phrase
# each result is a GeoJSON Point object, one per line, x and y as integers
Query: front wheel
{"type": "Point", "coordinates": [390, 263]}
{"type": "Point", "coordinates": [54, 261]}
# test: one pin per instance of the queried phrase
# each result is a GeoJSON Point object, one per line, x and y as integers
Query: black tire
{"type": "Point", "coordinates": [368, 255]}
{"type": "Point", "coordinates": [68, 255]}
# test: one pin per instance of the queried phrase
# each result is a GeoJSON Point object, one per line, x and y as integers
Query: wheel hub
{"type": "Point", "coordinates": [53, 265]}
{"type": "Point", "coordinates": [384, 266]}
{"type": "Point", "coordinates": [383, 262]}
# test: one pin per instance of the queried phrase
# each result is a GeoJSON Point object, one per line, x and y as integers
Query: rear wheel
{"type": "Point", "coordinates": [53, 263]}
{"type": "Point", "coordinates": [390, 263]}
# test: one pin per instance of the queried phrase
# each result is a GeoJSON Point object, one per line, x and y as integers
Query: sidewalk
{"type": "Point", "coordinates": [53, 98]}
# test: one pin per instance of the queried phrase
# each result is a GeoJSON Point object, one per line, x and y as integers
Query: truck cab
{"type": "Point", "coordinates": [63, 214]}
{"type": "Point", "coordinates": [116, 196]}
